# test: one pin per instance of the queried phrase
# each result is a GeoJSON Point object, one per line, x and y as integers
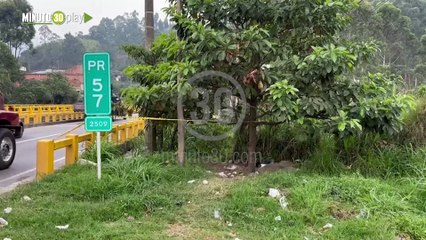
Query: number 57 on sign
{"type": "Point", "coordinates": [97, 84]}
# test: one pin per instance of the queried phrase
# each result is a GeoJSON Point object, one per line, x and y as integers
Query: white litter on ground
{"type": "Point", "coordinates": [64, 227]}
{"type": "Point", "coordinates": [3, 222]}
{"type": "Point", "coordinates": [7, 210]}
{"type": "Point", "coordinates": [274, 193]}
{"type": "Point", "coordinates": [26, 198]}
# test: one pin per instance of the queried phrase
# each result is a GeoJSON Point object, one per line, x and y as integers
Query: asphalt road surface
{"type": "Point", "coordinates": [23, 168]}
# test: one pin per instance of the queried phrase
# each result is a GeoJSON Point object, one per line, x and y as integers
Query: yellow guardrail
{"type": "Point", "coordinates": [32, 115]}
{"type": "Point", "coordinates": [46, 148]}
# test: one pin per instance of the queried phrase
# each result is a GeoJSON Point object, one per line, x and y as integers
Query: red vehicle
{"type": "Point", "coordinates": [10, 127]}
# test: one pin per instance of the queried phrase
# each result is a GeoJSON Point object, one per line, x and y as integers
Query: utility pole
{"type": "Point", "coordinates": [149, 39]}
{"type": "Point", "coordinates": [149, 23]}
{"type": "Point", "coordinates": [181, 123]}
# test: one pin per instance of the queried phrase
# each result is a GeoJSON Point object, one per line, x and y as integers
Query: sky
{"type": "Point", "coordinates": [98, 9]}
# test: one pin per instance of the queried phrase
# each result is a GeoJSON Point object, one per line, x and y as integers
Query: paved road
{"type": "Point", "coordinates": [23, 168]}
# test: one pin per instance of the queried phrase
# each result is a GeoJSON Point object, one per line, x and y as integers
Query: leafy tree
{"type": "Point", "coordinates": [286, 55]}
{"type": "Point", "coordinates": [90, 45]}
{"type": "Point", "coordinates": [60, 89]}
{"type": "Point", "coordinates": [415, 10]}
{"type": "Point", "coordinates": [9, 67]}
{"type": "Point", "coordinates": [12, 31]}
{"type": "Point", "coordinates": [46, 35]}
{"type": "Point", "coordinates": [398, 45]}
{"type": "Point", "coordinates": [43, 57]}
{"type": "Point", "coordinates": [32, 92]}
{"type": "Point", "coordinates": [72, 51]}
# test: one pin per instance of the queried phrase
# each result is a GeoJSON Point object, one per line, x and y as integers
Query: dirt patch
{"type": "Point", "coordinates": [177, 230]}
{"type": "Point", "coordinates": [273, 167]}
{"type": "Point", "coordinates": [231, 170]}
{"type": "Point", "coordinates": [341, 214]}
{"type": "Point", "coordinates": [403, 237]}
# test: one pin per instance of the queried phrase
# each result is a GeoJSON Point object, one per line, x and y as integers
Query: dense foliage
{"type": "Point", "coordinates": [398, 27]}
{"type": "Point", "coordinates": [288, 57]}
{"type": "Point", "coordinates": [12, 31]}
{"type": "Point", "coordinates": [55, 90]}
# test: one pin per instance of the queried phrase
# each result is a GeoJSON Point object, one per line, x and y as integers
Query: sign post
{"type": "Point", "coordinates": [97, 97]}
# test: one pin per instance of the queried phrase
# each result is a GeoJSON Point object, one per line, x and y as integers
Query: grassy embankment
{"type": "Point", "coordinates": [145, 197]}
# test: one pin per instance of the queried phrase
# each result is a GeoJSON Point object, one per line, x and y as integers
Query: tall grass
{"type": "Point", "coordinates": [325, 158]}
{"type": "Point", "coordinates": [109, 151]}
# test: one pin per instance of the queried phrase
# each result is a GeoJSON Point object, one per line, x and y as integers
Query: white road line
{"type": "Point", "coordinates": [26, 172]}
{"type": "Point", "coordinates": [38, 138]}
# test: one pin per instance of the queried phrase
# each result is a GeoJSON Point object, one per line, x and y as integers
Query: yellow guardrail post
{"type": "Point", "coordinates": [45, 155]}
{"type": "Point", "coordinates": [114, 134]}
{"type": "Point", "coordinates": [71, 152]}
{"type": "Point", "coordinates": [128, 127]}
{"type": "Point", "coordinates": [46, 148]}
{"type": "Point", "coordinates": [122, 133]}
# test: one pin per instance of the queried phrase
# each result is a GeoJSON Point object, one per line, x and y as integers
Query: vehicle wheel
{"type": "Point", "coordinates": [20, 133]}
{"type": "Point", "coordinates": [7, 148]}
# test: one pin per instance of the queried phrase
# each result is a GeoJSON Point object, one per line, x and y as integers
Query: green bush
{"type": "Point", "coordinates": [325, 158]}
{"type": "Point", "coordinates": [287, 142]}
{"type": "Point", "coordinates": [217, 150]}
{"type": "Point", "coordinates": [393, 161]}
{"type": "Point", "coordinates": [414, 131]}
{"type": "Point", "coordinates": [109, 151]}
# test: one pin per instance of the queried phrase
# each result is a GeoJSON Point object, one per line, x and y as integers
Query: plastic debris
{"type": "Point", "coordinates": [229, 224]}
{"type": "Point", "coordinates": [363, 214]}
{"type": "Point", "coordinates": [65, 227]}
{"type": "Point", "coordinates": [327, 226]}
{"type": "Point", "coordinates": [7, 210]}
{"type": "Point", "coordinates": [217, 214]}
{"type": "Point", "coordinates": [274, 193]}
{"type": "Point", "coordinates": [283, 202]}
{"type": "Point", "coordinates": [222, 174]}
{"type": "Point", "coordinates": [278, 218]}
{"type": "Point", "coordinates": [26, 198]}
{"type": "Point", "coordinates": [7, 239]}
{"type": "Point", "coordinates": [233, 167]}
{"type": "Point", "coordinates": [3, 222]}
{"type": "Point", "coordinates": [205, 182]}
{"type": "Point", "coordinates": [191, 181]}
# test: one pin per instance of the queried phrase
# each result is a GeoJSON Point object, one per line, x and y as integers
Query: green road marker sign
{"type": "Point", "coordinates": [87, 17]}
{"type": "Point", "coordinates": [97, 84]}
{"type": "Point", "coordinates": [98, 124]}
{"type": "Point", "coordinates": [97, 97]}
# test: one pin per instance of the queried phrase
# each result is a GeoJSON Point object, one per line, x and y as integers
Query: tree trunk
{"type": "Point", "coordinates": [160, 139]}
{"type": "Point", "coordinates": [149, 136]}
{"type": "Point", "coordinates": [181, 123]}
{"type": "Point", "coordinates": [149, 23]}
{"type": "Point", "coordinates": [252, 135]}
{"type": "Point", "coordinates": [149, 38]}
{"type": "Point", "coordinates": [154, 136]}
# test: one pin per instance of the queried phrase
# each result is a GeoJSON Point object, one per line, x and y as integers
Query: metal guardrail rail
{"type": "Point", "coordinates": [46, 148]}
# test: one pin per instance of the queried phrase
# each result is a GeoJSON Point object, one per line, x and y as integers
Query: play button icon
{"type": "Point", "coordinates": [87, 17]}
